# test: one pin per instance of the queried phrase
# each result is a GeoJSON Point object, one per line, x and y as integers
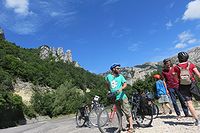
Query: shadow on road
{"type": "Point", "coordinates": [172, 123]}
{"type": "Point", "coordinates": [167, 116]}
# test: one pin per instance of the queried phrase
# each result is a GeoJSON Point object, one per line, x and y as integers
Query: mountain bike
{"type": "Point", "coordinates": [109, 119]}
{"type": "Point", "coordinates": [88, 113]}
{"type": "Point", "coordinates": [150, 98]}
{"type": "Point", "coordinates": [96, 107]}
{"type": "Point", "coordinates": [155, 109]}
{"type": "Point", "coordinates": [142, 110]}
{"type": "Point", "coordinates": [82, 116]}
{"type": "Point", "coordinates": [114, 123]}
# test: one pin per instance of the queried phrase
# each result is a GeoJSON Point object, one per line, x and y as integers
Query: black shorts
{"type": "Point", "coordinates": [185, 91]}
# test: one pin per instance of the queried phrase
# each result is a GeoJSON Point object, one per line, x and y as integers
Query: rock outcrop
{"type": "Point", "coordinates": [139, 71]}
{"type": "Point", "coordinates": [58, 54]}
{"type": "Point", "coordinates": [27, 89]}
{"type": "Point", "coordinates": [2, 36]}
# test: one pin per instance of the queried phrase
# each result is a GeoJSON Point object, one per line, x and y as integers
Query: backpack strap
{"type": "Point", "coordinates": [188, 66]}
{"type": "Point", "coordinates": [179, 67]}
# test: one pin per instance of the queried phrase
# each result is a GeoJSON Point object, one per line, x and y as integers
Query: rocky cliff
{"type": "Point", "coordinates": [57, 53]}
{"type": "Point", "coordinates": [139, 71]}
{"type": "Point", "coordinates": [2, 36]}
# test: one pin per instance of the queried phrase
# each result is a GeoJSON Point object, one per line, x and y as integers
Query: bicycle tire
{"type": "Point", "coordinates": [80, 120]}
{"type": "Point", "coordinates": [155, 111]}
{"type": "Point", "coordinates": [107, 124]}
{"type": "Point", "coordinates": [141, 118]}
{"type": "Point", "coordinates": [93, 115]}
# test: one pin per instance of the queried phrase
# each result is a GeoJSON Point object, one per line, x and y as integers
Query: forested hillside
{"type": "Point", "coordinates": [68, 83]}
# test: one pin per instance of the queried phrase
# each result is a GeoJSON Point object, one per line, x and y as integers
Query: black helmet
{"type": "Point", "coordinates": [183, 56]}
{"type": "Point", "coordinates": [166, 60]}
{"type": "Point", "coordinates": [114, 65]}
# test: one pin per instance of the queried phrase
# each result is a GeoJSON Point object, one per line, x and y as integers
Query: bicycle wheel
{"type": "Point", "coordinates": [109, 121]}
{"type": "Point", "coordinates": [80, 119]}
{"type": "Point", "coordinates": [155, 111]}
{"type": "Point", "coordinates": [143, 117]}
{"type": "Point", "coordinates": [93, 115]}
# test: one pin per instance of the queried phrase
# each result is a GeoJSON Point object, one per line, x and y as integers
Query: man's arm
{"type": "Point", "coordinates": [165, 85]}
{"type": "Point", "coordinates": [107, 86]}
{"type": "Point", "coordinates": [196, 71]}
{"type": "Point", "coordinates": [123, 87]}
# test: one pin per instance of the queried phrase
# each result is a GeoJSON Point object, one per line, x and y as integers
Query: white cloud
{"type": "Point", "coordinates": [133, 47]}
{"type": "Point", "coordinates": [185, 39]}
{"type": "Point", "coordinates": [3, 18]}
{"type": "Point", "coordinates": [28, 22]}
{"type": "Point", "coordinates": [110, 2]}
{"type": "Point", "coordinates": [171, 5]}
{"type": "Point", "coordinates": [198, 26]}
{"type": "Point", "coordinates": [157, 49]}
{"type": "Point", "coordinates": [152, 31]}
{"type": "Point", "coordinates": [20, 6]}
{"type": "Point", "coordinates": [185, 36]}
{"type": "Point", "coordinates": [56, 14]}
{"type": "Point", "coordinates": [169, 24]}
{"type": "Point", "coordinates": [180, 45]}
{"type": "Point", "coordinates": [122, 32]}
{"type": "Point", "coordinates": [24, 28]}
{"type": "Point", "coordinates": [193, 11]}
{"type": "Point", "coordinates": [191, 41]}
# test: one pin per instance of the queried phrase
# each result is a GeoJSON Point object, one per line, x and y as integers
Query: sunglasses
{"type": "Point", "coordinates": [118, 68]}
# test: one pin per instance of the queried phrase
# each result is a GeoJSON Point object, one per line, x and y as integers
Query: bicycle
{"type": "Point", "coordinates": [96, 107]}
{"type": "Point", "coordinates": [150, 98]}
{"type": "Point", "coordinates": [88, 113]}
{"type": "Point", "coordinates": [142, 110]}
{"type": "Point", "coordinates": [143, 117]}
{"type": "Point", "coordinates": [82, 116]}
{"type": "Point", "coordinates": [109, 119]}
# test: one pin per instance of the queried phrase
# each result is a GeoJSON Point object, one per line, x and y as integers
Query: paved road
{"type": "Point", "coordinates": [162, 124]}
{"type": "Point", "coordinates": [61, 125]}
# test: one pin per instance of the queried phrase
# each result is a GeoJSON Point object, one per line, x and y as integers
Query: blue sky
{"type": "Point", "coordinates": [102, 32]}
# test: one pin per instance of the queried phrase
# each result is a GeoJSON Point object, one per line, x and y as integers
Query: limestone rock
{"type": "Point", "coordinates": [139, 71]}
{"type": "Point", "coordinates": [2, 36]}
{"type": "Point", "coordinates": [58, 54]}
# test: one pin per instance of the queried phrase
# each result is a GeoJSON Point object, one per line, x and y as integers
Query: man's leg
{"type": "Point", "coordinates": [183, 103]}
{"type": "Point", "coordinates": [192, 109]}
{"type": "Point", "coordinates": [127, 110]}
{"type": "Point", "coordinates": [173, 98]}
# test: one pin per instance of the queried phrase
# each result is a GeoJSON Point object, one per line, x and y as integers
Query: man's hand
{"type": "Point", "coordinates": [120, 90]}
{"type": "Point", "coordinates": [123, 86]}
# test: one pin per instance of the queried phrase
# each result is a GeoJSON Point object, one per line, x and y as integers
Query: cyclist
{"type": "Point", "coordinates": [116, 82]}
{"type": "Point", "coordinates": [188, 88]}
{"type": "Point", "coordinates": [172, 85]}
{"type": "Point", "coordinates": [161, 92]}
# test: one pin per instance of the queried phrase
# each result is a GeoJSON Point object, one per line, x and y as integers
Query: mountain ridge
{"type": "Point", "coordinates": [137, 72]}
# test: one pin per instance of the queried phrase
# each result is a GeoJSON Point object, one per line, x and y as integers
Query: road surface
{"type": "Point", "coordinates": [162, 124]}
